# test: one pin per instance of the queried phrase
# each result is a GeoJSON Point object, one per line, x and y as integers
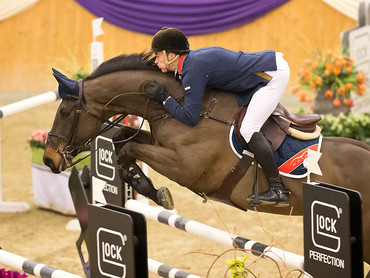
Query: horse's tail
{"type": "Point", "coordinates": [349, 141]}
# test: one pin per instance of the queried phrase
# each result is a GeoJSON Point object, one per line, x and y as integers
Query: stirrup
{"type": "Point", "coordinates": [279, 197]}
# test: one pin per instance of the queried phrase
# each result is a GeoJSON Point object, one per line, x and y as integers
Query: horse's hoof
{"type": "Point", "coordinates": [281, 204]}
{"type": "Point", "coordinates": [165, 198]}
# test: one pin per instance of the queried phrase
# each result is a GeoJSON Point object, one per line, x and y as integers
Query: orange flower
{"type": "Point", "coordinates": [349, 86]}
{"type": "Point", "coordinates": [336, 102]}
{"type": "Point", "coordinates": [315, 65]}
{"type": "Point", "coordinates": [340, 62]}
{"type": "Point", "coordinates": [327, 72]}
{"type": "Point", "coordinates": [308, 99]}
{"type": "Point", "coordinates": [361, 77]}
{"type": "Point", "coordinates": [350, 62]}
{"type": "Point", "coordinates": [329, 94]}
{"type": "Point", "coordinates": [318, 80]}
{"type": "Point", "coordinates": [301, 96]}
{"type": "Point", "coordinates": [341, 90]}
{"type": "Point", "coordinates": [307, 78]}
{"type": "Point", "coordinates": [306, 70]}
{"type": "Point", "coordinates": [313, 85]}
{"type": "Point", "coordinates": [336, 70]}
{"type": "Point", "coordinates": [348, 70]}
{"type": "Point", "coordinates": [329, 65]}
{"type": "Point", "coordinates": [295, 89]}
{"type": "Point", "coordinates": [348, 102]}
{"type": "Point", "coordinates": [361, 88]}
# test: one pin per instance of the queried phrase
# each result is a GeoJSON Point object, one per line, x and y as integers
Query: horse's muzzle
{"type": "Point", "coordinates": [50, 163]}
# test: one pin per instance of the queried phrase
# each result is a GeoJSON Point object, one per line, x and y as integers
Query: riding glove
{"type": "Point", "coordinates": [156, 91]}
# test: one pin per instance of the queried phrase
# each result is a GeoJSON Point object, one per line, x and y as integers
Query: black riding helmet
{"type": "Point", "coordinates": [170, 39]}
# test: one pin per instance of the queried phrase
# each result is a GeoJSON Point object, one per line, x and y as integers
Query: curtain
{"type": "Point", "coordinates": [194, 17]}
{"type": "Point", "coordinates": [9, 8]}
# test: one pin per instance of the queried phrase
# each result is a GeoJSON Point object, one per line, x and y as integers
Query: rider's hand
{"type": "Point", "coordinates": [156, 91]}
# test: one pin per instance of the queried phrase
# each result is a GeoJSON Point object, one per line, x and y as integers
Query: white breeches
{"type": "Point", "coordinates": [265, 100]}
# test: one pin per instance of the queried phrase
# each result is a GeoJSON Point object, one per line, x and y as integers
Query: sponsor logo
{"type": "Point", "coordinates": [110, 249]}
{"type": "Point", "coordinates": [324, 220]}
{"type": "Point", "coordinates": [104, 164]}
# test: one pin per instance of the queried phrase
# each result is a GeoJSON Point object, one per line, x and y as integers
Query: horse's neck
{"type": "Point", "coordinates": [119, 93]}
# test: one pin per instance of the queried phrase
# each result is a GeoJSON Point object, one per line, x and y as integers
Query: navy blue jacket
{"type": "Point", "coordinates": [222, 69]}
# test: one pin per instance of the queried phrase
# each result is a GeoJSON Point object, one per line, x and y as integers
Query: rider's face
{"type": "Point", "coordinates": [160, 61]}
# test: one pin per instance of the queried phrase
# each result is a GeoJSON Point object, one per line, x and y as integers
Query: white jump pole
{"type": "Point", "coordinates": [164, 270]}
{"type": "Point", "coordinates": [167, 217]}
{"type": "Point", "coordinates": [32, 267]}
{"type": "Point", "coordinates": [10, 110]}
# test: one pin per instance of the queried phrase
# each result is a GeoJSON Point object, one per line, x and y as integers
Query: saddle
{"type": "Point", "coordinates": [282, 123]}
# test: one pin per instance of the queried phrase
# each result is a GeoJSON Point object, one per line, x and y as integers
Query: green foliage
{"type": "Point", "coordinates": [237, 267]}
{"type": "Point", "coordinates": [80, 74]}
{"type": "Point", "coordinates": [351, 126]}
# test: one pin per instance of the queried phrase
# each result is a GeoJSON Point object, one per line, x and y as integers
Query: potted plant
{"type": "Point", "coordinates": [329, 80]}
{"type": "Point", "coordinates": [50, 190]}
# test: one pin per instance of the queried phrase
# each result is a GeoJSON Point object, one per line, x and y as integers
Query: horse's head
{"type": "Point", "coordinates": [73, 125]}
{"type": "Point", "coordinates": [115, 87]}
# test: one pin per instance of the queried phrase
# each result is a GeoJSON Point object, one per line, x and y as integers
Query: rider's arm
{"type": "Point", "coordinates": [194, 85]}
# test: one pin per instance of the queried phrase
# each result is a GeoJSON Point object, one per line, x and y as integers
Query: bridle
{"type": "Point", "coordinates": [67, 152]}
{"type": "Point", "coordinates": [70, 151]}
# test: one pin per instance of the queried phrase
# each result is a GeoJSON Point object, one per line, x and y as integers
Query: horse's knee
{"type": "Point", "coordinates": [120, 136]}
{"type": "Point", "coordinates": [124, 155]}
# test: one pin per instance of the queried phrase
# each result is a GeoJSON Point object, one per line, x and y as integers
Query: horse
{"type": "Point", "coordinates": [198, 157]}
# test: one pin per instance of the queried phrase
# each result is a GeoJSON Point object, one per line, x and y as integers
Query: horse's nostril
{"type": "Point", "coordinates": [49, 162]}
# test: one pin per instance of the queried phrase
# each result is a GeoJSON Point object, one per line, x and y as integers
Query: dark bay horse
{"type": "Point", "coordinates": [197, 157]}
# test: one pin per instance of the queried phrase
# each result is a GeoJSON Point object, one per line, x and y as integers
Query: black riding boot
{"type": "Point", "coordinates": [277, 194]}
{"type": "Point", "coordinates": [135, 177]}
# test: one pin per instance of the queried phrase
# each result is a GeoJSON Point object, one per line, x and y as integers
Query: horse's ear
{"type": "Point", "coordinates": [67, 87]}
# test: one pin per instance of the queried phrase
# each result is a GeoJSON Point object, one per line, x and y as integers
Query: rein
{"type": "Point", "coordinates": [205, 115]}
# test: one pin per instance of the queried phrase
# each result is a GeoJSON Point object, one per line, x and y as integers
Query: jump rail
{"type": "Point", "coordinates": [193, 227]}
{"type": "Point", "coordinates": [44, 271]}
{"type": "Point", "coordinates": [11, 109]}
{"type": "Point", "coordinates": [32, 267]}
{"type": "Point", "coordinates": [167, 271]}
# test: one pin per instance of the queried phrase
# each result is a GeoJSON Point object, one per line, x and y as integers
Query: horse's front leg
{"type": "Point", "coordinates": [126, 134]}
{"type": "Point", "coordinates": [131, 173]}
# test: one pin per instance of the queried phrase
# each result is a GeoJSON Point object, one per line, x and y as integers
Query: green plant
{"type": "Point", "coordinates": [80, 74]}
{"type": "Point", "coordinates": [350, 126]}
{"type": "Point", "coordinates": [237, 267]}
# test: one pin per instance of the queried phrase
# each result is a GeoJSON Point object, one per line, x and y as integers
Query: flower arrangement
{"type": "Point", "coordinates": [11, 274]}
{"type": "Point", "coordinates": [334, 75]}
{"type": "Point", "coordinates": [38, 138]}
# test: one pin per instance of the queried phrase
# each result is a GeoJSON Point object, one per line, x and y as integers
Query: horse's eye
{"type": "Point", "coordinates": [64, 113]}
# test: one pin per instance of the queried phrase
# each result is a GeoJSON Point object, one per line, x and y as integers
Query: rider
{"type": "Point", "coordinates": [257, 79]}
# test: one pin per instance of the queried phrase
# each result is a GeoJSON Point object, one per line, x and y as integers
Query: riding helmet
{"type": "Point", "coordinates": [170, 39]}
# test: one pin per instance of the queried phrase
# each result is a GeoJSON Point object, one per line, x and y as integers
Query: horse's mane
{"type": "Point", "coordinates": [123, 62]}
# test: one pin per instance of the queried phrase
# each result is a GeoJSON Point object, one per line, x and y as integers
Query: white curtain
{"type": "Point", "coordinates": [9, 8]}
{"type": "Point", "coordinates": [347, 7]}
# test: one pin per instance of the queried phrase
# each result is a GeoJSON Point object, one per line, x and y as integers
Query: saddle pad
{"type": "Point", "coordinates": [290, 156]}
